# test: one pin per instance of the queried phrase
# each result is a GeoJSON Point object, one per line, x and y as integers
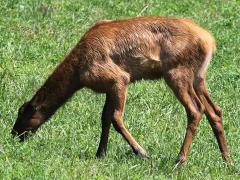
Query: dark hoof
{"type": "Point", "coordinates": [100, 154]}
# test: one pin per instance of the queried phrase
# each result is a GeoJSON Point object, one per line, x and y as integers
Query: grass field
{"type": "Point", "coordinates": [34, 37]}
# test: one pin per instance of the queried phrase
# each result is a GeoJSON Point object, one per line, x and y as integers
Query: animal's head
{"type": "Point", "coordinates": [29, 119]}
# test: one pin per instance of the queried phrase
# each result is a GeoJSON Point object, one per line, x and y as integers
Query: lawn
{"type": "Point", "coordinates": [36, 35]}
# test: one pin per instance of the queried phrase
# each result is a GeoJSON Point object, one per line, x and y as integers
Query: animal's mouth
{"type": "Point", "coordinates": [19, 134]}
{"type": "Point", "coordinates": [22, 134]}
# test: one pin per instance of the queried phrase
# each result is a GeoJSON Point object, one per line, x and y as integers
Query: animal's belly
{"type": "Point", "coordinates": [143, 68]}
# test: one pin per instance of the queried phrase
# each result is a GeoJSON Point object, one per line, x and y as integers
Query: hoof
{"type": "Point", "coordinates": [227, 158]}
{"type": "Point", "coordinates": [179, 162]}
{"type": "Point", "coordinates": [141, 153]}
{"type": "Point", "coordinates": [100, 154]}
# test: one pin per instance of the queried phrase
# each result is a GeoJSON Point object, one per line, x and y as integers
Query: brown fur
{"type": "Point", "coordinates": [112, 54]}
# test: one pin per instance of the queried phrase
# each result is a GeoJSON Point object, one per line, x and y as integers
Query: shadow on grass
{"type": "Point", "coordinates": [153, 164]}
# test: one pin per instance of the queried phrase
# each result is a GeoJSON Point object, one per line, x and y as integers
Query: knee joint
{"type": "Point", "coordinates": [194, 115]}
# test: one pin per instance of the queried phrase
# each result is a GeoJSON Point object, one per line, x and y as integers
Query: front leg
{"type": "Point", "coordinates": [118, 97]}
{"type": "Point", "coordinates": [106, 124]}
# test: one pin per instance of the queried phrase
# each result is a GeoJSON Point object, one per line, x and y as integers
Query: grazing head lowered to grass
{"type": "Point", "coordinates": [112, 54]}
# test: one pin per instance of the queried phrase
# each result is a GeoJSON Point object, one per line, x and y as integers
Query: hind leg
{"type": "Point", "coordinates": [181, 82]}
{"type": "Point", "coordinates": [214, 116]}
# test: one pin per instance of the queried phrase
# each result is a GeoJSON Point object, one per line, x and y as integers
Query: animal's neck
{"type": "Point", "coordinates": [58, 88]}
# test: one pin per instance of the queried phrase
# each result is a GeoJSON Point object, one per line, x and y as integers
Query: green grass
{"type": "Point", "coordinates": [34, 37]}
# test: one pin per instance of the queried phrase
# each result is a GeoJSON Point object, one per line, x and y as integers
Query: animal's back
{"type": "Point", "coordinates": [144, 47]}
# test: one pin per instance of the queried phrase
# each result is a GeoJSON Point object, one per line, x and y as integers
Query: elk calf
{"type": "Point", "coordinates": [112, 54]}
